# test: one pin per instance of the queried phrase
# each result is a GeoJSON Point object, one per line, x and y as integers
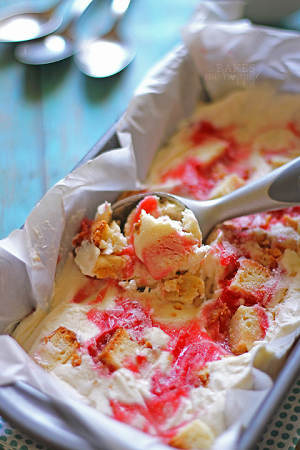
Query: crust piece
{"type": "Point", "coordinates": [244, 329]}
{"type": "Point", "coordinates": [184, 289]}
{"type": "Point", "coordinates": [194, 435]}
{"type": "Point", "coordinates": [119, 347]}
{"type": "Point", "coordinates": [250, 277]}
{"type": "Point", "coordinates": [58, 348]}
{"type": "Point", "coordinates": [110, 266]}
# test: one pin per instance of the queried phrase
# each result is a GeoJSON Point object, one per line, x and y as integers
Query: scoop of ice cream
{"type": "Point", "coordinates": [165, 245]}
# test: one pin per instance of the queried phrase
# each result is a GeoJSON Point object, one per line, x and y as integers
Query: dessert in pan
{"type": "Point", "coordinates": [149, 325]}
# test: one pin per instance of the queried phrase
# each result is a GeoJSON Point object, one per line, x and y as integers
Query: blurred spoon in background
{"type": "Point", "coordinates": [106, 55]}
{"type": "Point", "coordinates": [19, 23]}
{"type": "Point", "coordinates": [58, 45]}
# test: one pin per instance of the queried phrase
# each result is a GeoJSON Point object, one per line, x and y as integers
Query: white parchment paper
{"type": "Point", "coordinates": [222, 56]}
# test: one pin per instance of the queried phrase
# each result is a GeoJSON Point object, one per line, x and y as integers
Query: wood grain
{"type": "Point", "coordinates": [50, 116]}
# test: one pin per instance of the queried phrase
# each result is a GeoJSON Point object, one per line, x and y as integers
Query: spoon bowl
{"type": "Point", "coordinates": [277, 190]}
{"type": "Point", "coordinates": [49, 49]}
{"type": "Point", "coordinates": [101, 58]}
{"type": "Point", "coordinates": [19, 25]}
{"type": "Point", "coordinates": [57, 46]}
{"type": "Point", "coordinates": [109, 54]}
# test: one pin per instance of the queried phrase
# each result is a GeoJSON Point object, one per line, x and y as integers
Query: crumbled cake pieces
{"type": "Point", "coordinates": [99, 247]}
{"type": "Point", "coordinates": [196, 434]}
{"type": "Point", "coordinates": [292, 222]}
{"type": "Point", "coordinates": [118, 348]}
{"type": "Point", "coordinates": [110, 266]}
{"type": "Point", "coordinates": [250, 277]}
{"type": "Point", "coordinates": [62, 345]}
{"type": "Point", "coordinates": [183, 289]}
{"type": "Point", "coordinates": [107, 237]}
{"type": "Point", "coordinates": [230, 183]}
{"type": "Point", "coordinates": [197, 306]}
{"type": "Point", "coordinates": [244, 329]}
{"type": "Point", "coordinates": [224, 290]}
{"type": "Point", "coordinates": [265, 237]}
{"type": "Point", "coordinates": [203, 375]}
{"type": "Point", "coordinates": [58, 348]}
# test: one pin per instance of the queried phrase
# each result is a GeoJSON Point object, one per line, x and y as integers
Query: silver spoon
{"type": "Point", "coordinates": [56, 46]}
{"type": "Point", "coordinates": [279, 189]}
{"type": "Point", "coordinates": [19, 23]}
{"type": "Point", "coordinates": [109, 54]}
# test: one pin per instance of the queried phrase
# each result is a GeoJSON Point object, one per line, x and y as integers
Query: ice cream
{"type": "Point", "coordinates": [228, 143]}
{"type": "Point", "coordinates": [159, 240]}
{"type": "Point", "coordinates": [159, 350]}
{"type": "Point", "coordinates": [150, 326]}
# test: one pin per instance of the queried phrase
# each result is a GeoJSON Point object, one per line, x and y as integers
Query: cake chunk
{"type": "Point", "coordinates": [230, 183]}
{"type": "Point", "coordinates": [99, 247]}
{"type": "Point", "coordinates": [119, 347]}
{"type": "Point", "coordinates": [244, 329]}
{"type": "Point", "coordinates": [57, 348]}
{"type": "Point", "coordinates": [194, 435]}
{"type": "Point", "coordinates": [108, 237]}
{"type": "Point", "coordinates": [183, 289]}
{"type": "Point", "coordinates": [250, 277]}
{"type": "Point", "coordinates": [110, 266]}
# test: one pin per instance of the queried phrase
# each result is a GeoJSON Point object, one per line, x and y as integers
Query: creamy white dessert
{"type": "Point", "coordinates": [151, 326]}
{"type": "Point", "coordinates": [160, 353]}
{"type": "Point", "coordinates": [228, 143]}
{"type": "Point", "coordinates": [160, 239]}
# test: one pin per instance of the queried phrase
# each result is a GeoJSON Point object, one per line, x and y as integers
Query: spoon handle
{"type": "Point", "coordinates": [119, 8]}
{"type": "Point", "coordinates": [78, 8]}
{"type": "Point", "coordinates": [279, 189]}
{"type": "Point", "coordinates": [74, 14]}
{"type": "Point", "coordinates": [58, 6]}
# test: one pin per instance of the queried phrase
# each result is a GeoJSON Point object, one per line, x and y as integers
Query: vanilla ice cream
{"type": "Point", "coordinates": [226, 144]}
{"type": "Point", "coordinates": [152, 327]}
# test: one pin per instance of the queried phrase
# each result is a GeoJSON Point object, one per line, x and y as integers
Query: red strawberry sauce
{"type": "Point", "coordinates": [190, 348]}
{"type": "Point", "coordinates": [91, 287]}
{"type": "Point", "coordinates": [201, 341]}
{"type": "Point", "coordinates": [150, 206]}
{"type": "Point", "coordinates": [198, 177]}
{"type": "Point", "coordinates": [126, 313]}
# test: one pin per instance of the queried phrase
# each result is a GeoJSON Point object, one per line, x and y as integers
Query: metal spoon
{"type": "Point", "coordinates": [279, 189]}
{"type": "Point", "coordinates": [19, 24]}
{"type": "Point", "coordinates": [109, 54]}
{"type": "Point", "coordinates": [56, 46]}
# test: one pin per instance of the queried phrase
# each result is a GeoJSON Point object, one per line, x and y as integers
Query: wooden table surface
{"type": "Point", "coordinates": [52, 115]}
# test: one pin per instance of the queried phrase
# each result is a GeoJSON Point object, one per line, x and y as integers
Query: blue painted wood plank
{"type": "Point", "coordinates": [21, 143]}
{"type": "Point", "coordinates": [21, 138]}
{"type": "Point", "coordinates": [78, 110]}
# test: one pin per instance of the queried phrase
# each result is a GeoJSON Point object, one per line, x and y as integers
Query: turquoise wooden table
{"type": "Point", "coordinates": [51, 115]}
